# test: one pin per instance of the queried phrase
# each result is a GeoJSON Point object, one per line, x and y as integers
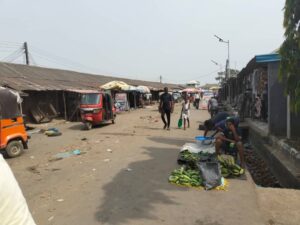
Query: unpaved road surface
{"type": "Point", "coordinates": [121, 177]}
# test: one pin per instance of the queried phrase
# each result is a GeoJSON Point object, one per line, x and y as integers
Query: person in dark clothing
{"type": "Point", "coordinates": [230, 138]}
{"type": "Point", "coordinates": [166, 107]}
{"type": "Point", "coordinates": [210, 124]}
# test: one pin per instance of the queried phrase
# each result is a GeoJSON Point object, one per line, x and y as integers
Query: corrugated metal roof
{"type": "Point", "coordinates": [23, 77]}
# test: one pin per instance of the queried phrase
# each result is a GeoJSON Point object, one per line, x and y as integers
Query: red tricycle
{"type": "Point", "coordinates": [97, 107]}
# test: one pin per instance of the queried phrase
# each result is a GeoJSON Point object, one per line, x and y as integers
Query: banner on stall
{"type": "Point", "coordinates": [121, 101]}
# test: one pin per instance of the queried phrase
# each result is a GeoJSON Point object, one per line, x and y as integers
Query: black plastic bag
{"type": "Point", "coordinates": [211, 173]}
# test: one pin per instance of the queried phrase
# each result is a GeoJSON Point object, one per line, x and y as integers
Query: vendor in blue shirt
{"type": "Point", "coordinates": [211, 123]}
{"type": "Point", "coordinates": [230, 137]}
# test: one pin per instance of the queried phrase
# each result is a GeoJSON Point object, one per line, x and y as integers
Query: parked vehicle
{"type": "Point", "coordinates": [96, 108]}
{"type": "Point", "coordinates": [177, 97]}
{"type": "Point", "coordinates": [206, 96]}
{"type": "Point", "coordinates": [13, 136]}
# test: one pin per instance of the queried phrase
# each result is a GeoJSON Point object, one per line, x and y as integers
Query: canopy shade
{"type": "Point", "coordinates": [116, 85]}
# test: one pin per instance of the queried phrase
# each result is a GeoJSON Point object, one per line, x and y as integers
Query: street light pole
{"type": "Point", "coordinates": [228, 72]}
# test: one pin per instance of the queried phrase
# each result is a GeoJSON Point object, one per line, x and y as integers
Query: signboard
{"type": "Point", "coordinates": [121, 102]}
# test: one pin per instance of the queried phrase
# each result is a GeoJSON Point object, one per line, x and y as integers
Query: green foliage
{"type": "Point", "coordinates": [290, 53]}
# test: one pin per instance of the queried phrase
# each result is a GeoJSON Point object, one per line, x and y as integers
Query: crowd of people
{"type": "Point", "coordinates": [225, 127]}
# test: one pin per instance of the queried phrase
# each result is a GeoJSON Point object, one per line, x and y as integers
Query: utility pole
{"type": "Point", "coordinates": [160, 79]}
{"type": "Point", "coordinates": [26, 53]}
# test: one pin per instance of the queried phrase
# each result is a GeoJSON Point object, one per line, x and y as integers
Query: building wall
{"type": "Point", "coordinates": [277, 102]}
{"type": "Point", "coordinates": [295, 125]}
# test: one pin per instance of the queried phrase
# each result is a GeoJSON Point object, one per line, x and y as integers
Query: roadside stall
{"type": "Point", "coordinates": [145, 95]}
{"type": "Point", "coordinates": [201, 168]}
{"type": "Point", "coordinates": [125, 96]}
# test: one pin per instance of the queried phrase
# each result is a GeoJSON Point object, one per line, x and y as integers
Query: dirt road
{"type": "Point", "coordinates": [122, 177]}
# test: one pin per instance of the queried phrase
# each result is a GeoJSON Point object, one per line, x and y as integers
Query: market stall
{"type": "Point", "coordinates": [201, 168]}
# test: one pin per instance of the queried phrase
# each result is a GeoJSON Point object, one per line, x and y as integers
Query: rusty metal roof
{"type": "Point", "coordinates": [32, 78]}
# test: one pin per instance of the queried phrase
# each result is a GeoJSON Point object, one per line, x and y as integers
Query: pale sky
{"type": "Point", "coordinates": [141, 39]}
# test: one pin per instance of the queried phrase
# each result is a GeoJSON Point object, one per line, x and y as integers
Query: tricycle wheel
{"type": "Point", "coordinates": [14, 148]}
{"type": "Point", "coordinates": [88, 125]}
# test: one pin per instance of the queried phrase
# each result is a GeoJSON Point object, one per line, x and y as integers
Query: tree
{"type": "Point", "coordinates": [290, 53]}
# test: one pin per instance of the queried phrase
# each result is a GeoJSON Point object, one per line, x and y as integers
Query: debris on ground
{"type": "Point", "coordinates": [109, 150]}
{"type": "Point", "coordinates": [84, 139]}
{"type": "Point", "coordinates": [50, 218]}
{"type": "Point", "coordinates": [60, 200]}
{"type": "Point", "coordinates": [35, 131]}
{"type": "Point", "coordinates": [106, 160]}
{"type": "Point", "coordinates": [63, 155]}
{"type": "Point", "coordinates": [52, 132]}
{"type": "Point", "coordinates": [33, 169]}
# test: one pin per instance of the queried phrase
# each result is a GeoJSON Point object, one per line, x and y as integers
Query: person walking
{"type": "Point", "coordinates": [213, 106]}
{"type": "Point", "coordinates": [166, 107]}
{"type": "Point", "coordinates": [186, 113]}
{"type": "Point", "coordinates": [197, 100]}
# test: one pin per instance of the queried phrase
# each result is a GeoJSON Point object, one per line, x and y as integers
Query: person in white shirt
{"type": "Point", "coordinates": [13, 206]}
{"type": "Point", "coordinates": [197, 100]}
{"type": "Point", "coordinates": [186, 112]}
{"type": "Point", "coordinates": [213, 106]}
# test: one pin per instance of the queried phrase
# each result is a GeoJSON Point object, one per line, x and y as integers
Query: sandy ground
{"type": "Point", "coordinates": [122, 178]}
{"type": "Point", "coordinates": [279, 206]}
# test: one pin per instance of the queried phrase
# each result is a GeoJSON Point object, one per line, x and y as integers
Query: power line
{"type": "Point", "coordinates": [59, 59]}
{"type": "Point", "coordinates": [13, 56]}
{"type": "Point", "coordinates": [48, 59]}
{"type": "Point", "coordinates": [31, 59]}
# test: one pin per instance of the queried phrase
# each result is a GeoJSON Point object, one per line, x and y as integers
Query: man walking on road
{"type": "Point", "coordinates": [166, 107]}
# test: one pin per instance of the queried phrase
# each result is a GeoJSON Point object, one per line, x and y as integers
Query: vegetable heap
{"type": "Point", "coordinates": [186, 177]}
{"type": "Point", "coordinates": [228, 166]}
{"type": "Point", "coordinates": [188, 156]}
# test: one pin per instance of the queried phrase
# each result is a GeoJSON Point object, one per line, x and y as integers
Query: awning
{"type": "Point", "coordinates": [83, 91]}
{"type": "Point", "coordinates": [268, 58]}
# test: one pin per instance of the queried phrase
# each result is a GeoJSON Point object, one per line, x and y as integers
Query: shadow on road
{"type": "Point", "coordinates": [171, 141]}
{"type": "Point", "coordinates": [132, 195]}
{"type": "Point", "coordinates": [81, 126]}
{"type": "Point", "coordinates": [148, 128]}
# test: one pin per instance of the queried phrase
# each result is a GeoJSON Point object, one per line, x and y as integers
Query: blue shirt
{"type": "Point", "coordinates": [219, 117]}
{"type": "Point", "coordinates": [222, 124]}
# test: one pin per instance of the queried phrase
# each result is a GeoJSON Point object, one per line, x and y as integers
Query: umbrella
{"type": "Point", "coordinates": [143, 89]}
{"type": "Point", "coordinates": [214, 88]}
{"type": "Point", "coordinates": [191, 90]}
{"type": "Point", "coordinates": [119, 85]}
{"type": "Point", "coordinates": [130, 88]}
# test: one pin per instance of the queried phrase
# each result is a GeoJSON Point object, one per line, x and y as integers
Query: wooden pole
{"type": "Point", "coordinates": [65, 107]}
